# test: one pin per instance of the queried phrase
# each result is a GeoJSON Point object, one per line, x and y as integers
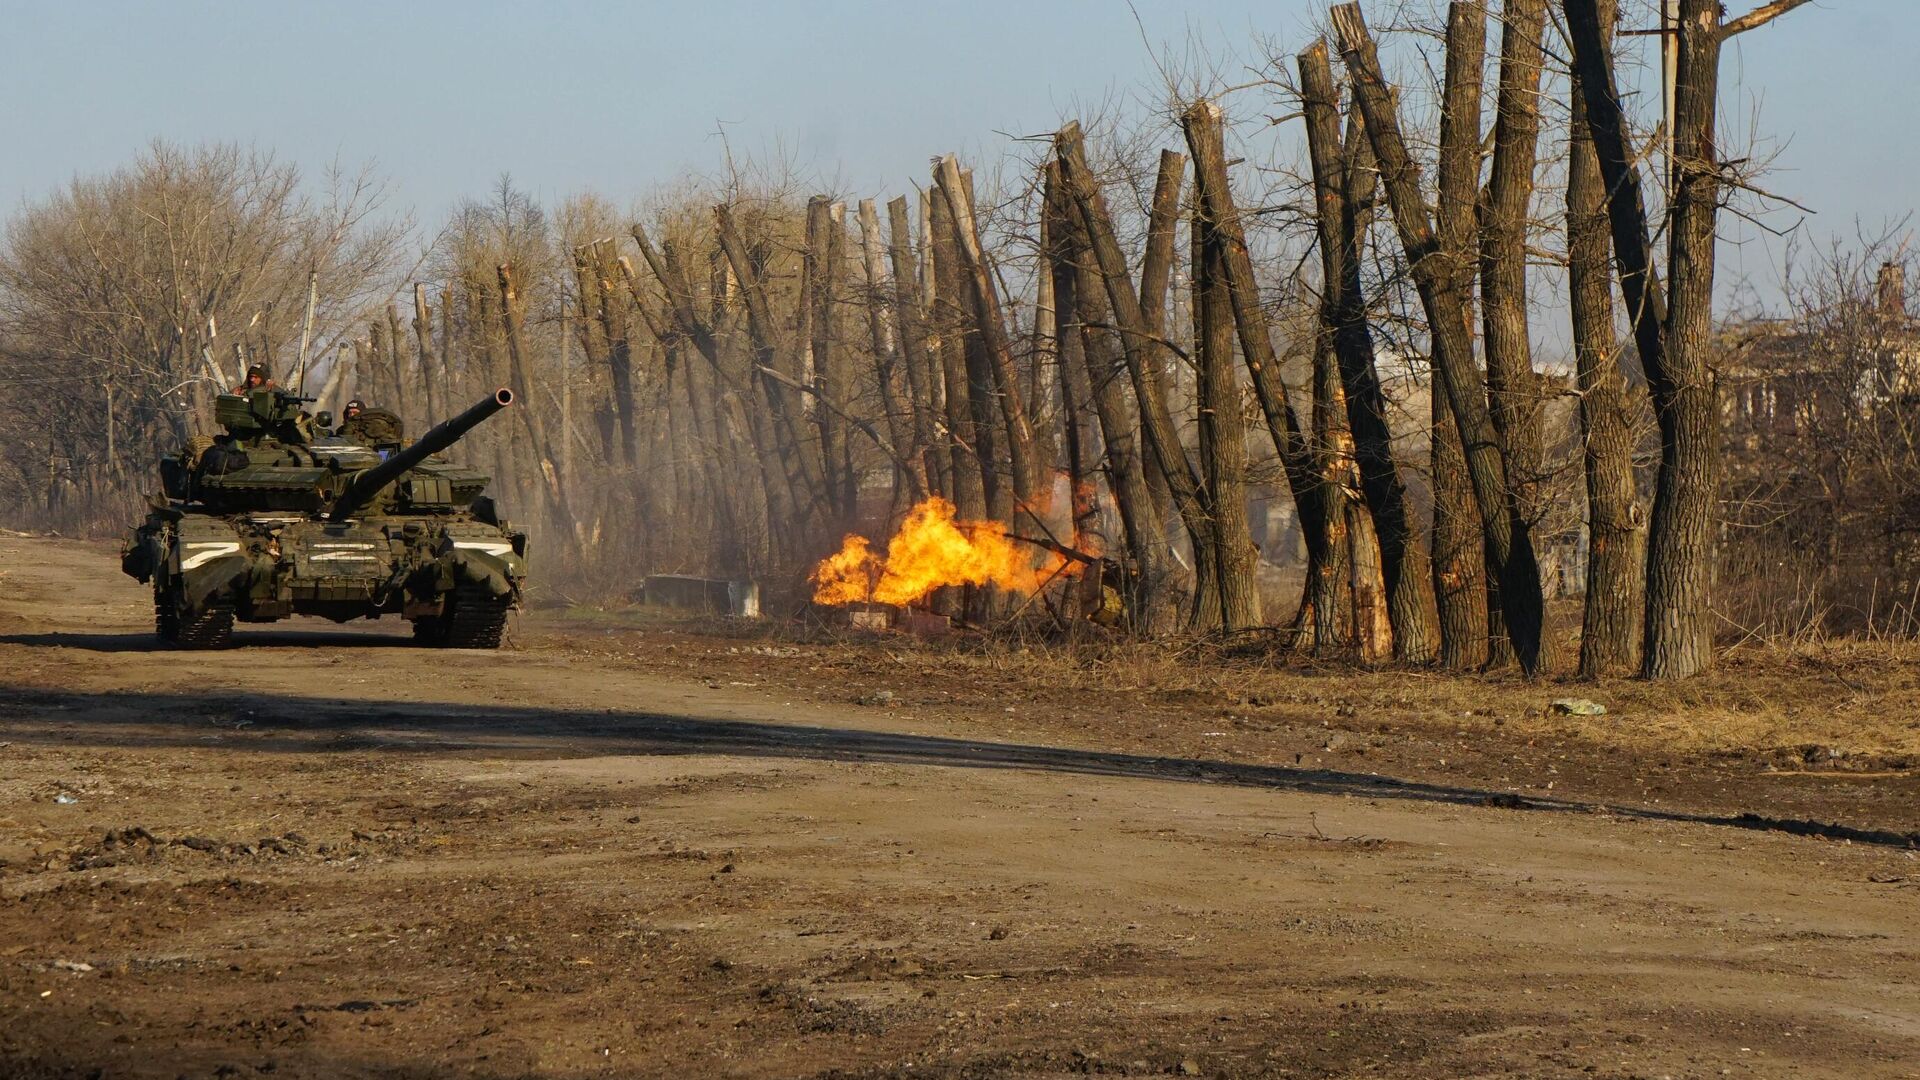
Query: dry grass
{"type": "Point", "coordinates": [1852, 702]}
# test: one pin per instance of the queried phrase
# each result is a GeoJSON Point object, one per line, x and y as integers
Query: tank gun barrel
{"type": "Point", "coordinates": [367, 483]}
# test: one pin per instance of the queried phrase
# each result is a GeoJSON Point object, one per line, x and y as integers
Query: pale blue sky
{"type": "Point", "coordinates": [622, 97]}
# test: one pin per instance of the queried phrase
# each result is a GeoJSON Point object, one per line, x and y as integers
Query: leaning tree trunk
{"type": "Point", "coordinates": [1202, 124]}
{"type": "Point", "coordinates": [396, 363]}
{"type": "Point", "coordinates": [971, 471]}
{"type": "Point", "coordinates": [1142, 351]}
{"type": "Point", "coordinates": [1344, 185]}
{"type": "Point", "coordinates": [430, 362]}
{"type": "Point", "coordinates": [819, 367]}
{"type": "Point", "coordinates": [909, 317]}
{"type": "Point", "coordinates": [886, 353]}
{"type": "Point", "coordinates": [617, 331]}
{"type": "Point", "coordinates": [1222, 429]}
{"type": "Point", "coordinates": [1156, 276]}
{"type": "Point", "coordinates": [1439, 278]}
{"type": "Point", "coordinates": [1022, 453]}
{"type": "Point", "coordinates": [1081, 296]}
{"type": "Point", "coordinates": [1616, 543]}
{"type": "Point", "coordinates": [1070, 369]}
{"type": "Point", "coordinates": [801, 453]}
{"type": "Point", "coordinates": [777, 488]}
{"type": "Point", "coordinates": [530, 418]}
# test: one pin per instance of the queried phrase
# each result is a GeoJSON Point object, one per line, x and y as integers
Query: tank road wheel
{"type": "Point", "coordinates": [475, 618]}
{"type": "Point", "coordinates": [209, 628]}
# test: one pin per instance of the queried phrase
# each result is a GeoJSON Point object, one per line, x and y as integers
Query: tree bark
{"type": "Point", "coordinates": [910, 318]}
{"type": "Point", "coordinates": [1511, 383]}
{"type": "Point", "coordinates": [820, 366]}
{"type": "Point", "coordinates": [1462, 560]}
{"type": "Point", "coordinates": [1439, 276]}
{"type": "Point", "coordinates": [431, 363]}
{"type": "Point", "coordinates": [1222, 427]}
{"type": "Point", "coordinates": [800, 453]}
{"type": "Point", "coordinates": [1329, 564]}
{"type": "Point", "coordinates": [1081, 293]}
{"type": "Point", "coordinates": [972, 470]}
{"type": "Point", "coordinates": [1344, 185]}
{"type": "Point", "coordinates": [1459, 544]}
{"type": "Point", "coordinates": [530, 417]}
{"type": "Point", "coordinates": [616, 330]}
{"type": "Point", "coordinates": [1022, 454]}
{"type": "Point", "coordinates": [1142, 350]}
{"type": "Point", "coordinates": [886, 351]}
{"type": "Point", "coordinates": [1616, 542]}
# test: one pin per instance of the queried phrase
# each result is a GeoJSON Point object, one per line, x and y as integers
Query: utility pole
{"type": "Point", "coordinates": [566, 391]}
{"type": "Point", "coordinates": [1669, 82]}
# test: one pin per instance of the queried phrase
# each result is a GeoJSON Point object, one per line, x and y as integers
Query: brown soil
{"type": "Point", "coordinates": [652, 849]}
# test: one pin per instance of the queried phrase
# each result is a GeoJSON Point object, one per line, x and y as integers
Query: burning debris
{"type": "Point", "coordinates": [930, 550]}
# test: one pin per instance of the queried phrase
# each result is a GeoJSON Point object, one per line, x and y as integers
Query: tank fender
{"type": "Point", "coordinates": [143, 553]}
{"type": "Point", "coordinates": [491, 563]}
{"type": "Point", "coordinates": [208, 557]}
{"type": "Point", "coordinates": [147, 549]}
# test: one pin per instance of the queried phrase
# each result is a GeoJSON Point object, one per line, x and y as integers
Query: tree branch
{"type": "Point", "coordinates": [1758, 17]}
{"type": "Point", "coordinates": [862, 426]}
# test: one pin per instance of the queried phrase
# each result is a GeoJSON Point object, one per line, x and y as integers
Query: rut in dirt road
{"type": "Point", "coordinates": [289, 724]}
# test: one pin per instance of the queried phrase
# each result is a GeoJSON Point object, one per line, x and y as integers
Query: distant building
{"type": "Point", "coordinates": [1789, 379]}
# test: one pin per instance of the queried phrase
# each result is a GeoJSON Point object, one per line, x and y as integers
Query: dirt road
{"type": "Point", "coordinates": [328, 853]}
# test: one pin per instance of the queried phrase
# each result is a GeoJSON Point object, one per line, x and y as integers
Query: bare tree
{"type": "Point", "coordinates": [1673, 331]}
{"type": "Point", "coordinates": [1344, 187]}
{"type": "Point", "coordinates": [1616, 537]}
{"type": "Point", "coordinates": [1441, 278]}
{"type": "Point", "coordinates": [162, 280]}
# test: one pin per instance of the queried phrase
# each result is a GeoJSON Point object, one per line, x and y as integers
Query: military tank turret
{"type": "Point", "coordinates": [278, 517]}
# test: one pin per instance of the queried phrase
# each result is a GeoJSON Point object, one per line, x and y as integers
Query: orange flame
{"type": "Point", "coordinates": [929, 550]}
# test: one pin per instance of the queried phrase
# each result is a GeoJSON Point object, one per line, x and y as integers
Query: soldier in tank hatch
{"type": "Point", "coordinates": [258, 378]}
{"type": "Point", "coordinates": [369, 426]}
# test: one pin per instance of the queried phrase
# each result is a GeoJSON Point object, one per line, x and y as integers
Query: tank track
{"type": "Point", "coordinates": [209, 628]}
{"type": "Point", "coordinates": [430, 631]}
{"type": "Point", "coordinates": [475, 619]}
{"type": "Point", "coordinates": [166, 621]}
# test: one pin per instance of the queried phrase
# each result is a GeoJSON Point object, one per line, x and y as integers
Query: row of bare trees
{"type": "Point", "coordinates": [729, 380]}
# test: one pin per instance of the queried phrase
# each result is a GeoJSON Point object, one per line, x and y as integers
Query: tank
{"type": "Point", "coordinates": [280, 517]}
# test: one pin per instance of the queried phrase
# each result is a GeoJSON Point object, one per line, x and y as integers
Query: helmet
{"type": "Point", "coordinates": [354, 405]}
{"type": "Point", "coordinates": [259, 371]}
